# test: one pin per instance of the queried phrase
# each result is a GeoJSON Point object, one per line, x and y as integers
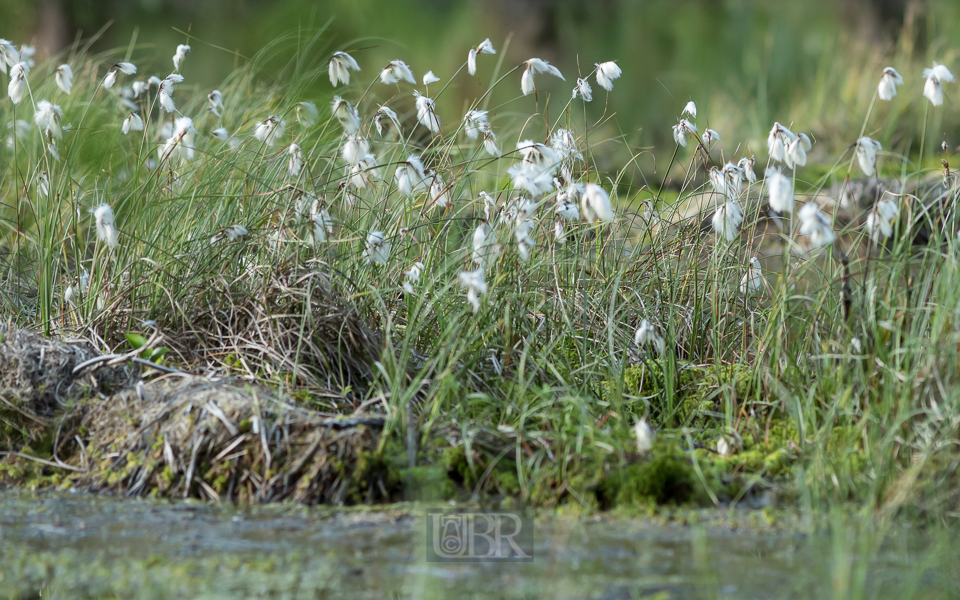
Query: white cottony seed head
{"type": "Point", "coordinates": [339, 68]}
{"type": "Point", "coordinates": [64, 78]}
{"type": "Point", "coordinates": [606, 73]}
{"type": "Point", "coordinates": [645, 436]}
{"type": "Point", "coordinates": [106, 232]}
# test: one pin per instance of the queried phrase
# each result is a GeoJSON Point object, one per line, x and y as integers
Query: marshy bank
{"type": "Point", "coordinates": [74, 419]}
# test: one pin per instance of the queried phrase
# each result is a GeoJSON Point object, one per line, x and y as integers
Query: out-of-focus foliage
{"type": "Point", "coordinates": [749, 62]}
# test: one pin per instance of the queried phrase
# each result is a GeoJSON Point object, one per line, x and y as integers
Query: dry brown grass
{"type": "Point", "coordinates": [195, 437]}
{"type": "Point", "coordinates": [289, 325]}
{"type": "Point", "coordinates": [37, 380]}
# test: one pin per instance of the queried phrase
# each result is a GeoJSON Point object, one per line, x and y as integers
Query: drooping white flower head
{"type": "Point", "coordinates": [778, 140]}
{"type": "Point", "coordinates": [221, 134]}
{"type": "Point", "coordinates": [306, 113]}
{"type": "Point", "coordinates": [397, 71]}
{"type": "Point", "coordinates": [724, 446]}
{"type": "Point", "coordinates": [746, 165]}
{"type": "Point", "coordinates": [322, 224]}
{"type": "Point", "coordinates": [132, 122]}
{"type": "Point", "coordinates": [82, 287]}
{"type": "Point", "coordinates": [18, 81]}
{"type": "Point", "coordinates": [269, 130]}
{"type": "Point", "coordinates": [753, 278]}
{"type": "Point", "coordinates": [26, 55]}
{"type": "Point", "coordinates": [526, 239]}
{"type": "Point", "coordinates": [123, 67]}
{"type": "Point", "coordinates": [485, 47]}
{"type": "Point", "coordinates": [295, 163]}
{"type": "Point", "coordinates": [879, 224]}
{"type": "Point", "coordinates": [139, 87]}
{"type": "Point", "coordinates": [534, 67]}
{"type": "Point", "coordinates": [489, 206]}
{"type": "Point", "coordinates": [595, 204]}
{"type": "Point", "coordinates": [166, 101]}
{"type": "Point", "coordinates": [486, 250]}
{"type": "Point", "coordinates": [385, 111]}
{"type": "Point", "coordinates": [680, 131]}
{"type": "Point", "coordinates": [539, 154]}
{"type": "Point", "coordinates": [47, 117]}
{"type": "Point", "coordinates": [215, 100]}
{"type": "Point", "coordinates": [476, 286]}
{"type": "Point", "coordinates": [355, 148]}
{"type": "Point", "coordinates": [429, 78]}
{"type": "Point", "coordinates": [231, 233]}
{"type": "Point", "coordinates": [645, 436]}
{"type": "Point", "coordinates": [181, 140]}
{"type": "Point", "coordinates": [646, 335]}
{"type": "Point", "coordinates": [426, 112]}
{"type": "Point", "coordinates": [180, 54]}
{"type": "Point", "coordinates": [339, 68]}
{"type": "Point", "coordinates": [606, 73]}
{"type": "Point", "coordinates": [43, 183]}
{"type": "Point", "coordinates": [8, 55]}
{"type": "Point", "coordinates": [733, 175]}
{"type": "Point", "coordinates": [780, 188]}
{"type": "Point", "coordinates": [559, 232]}
{"type": "Point", "coordinates": [535, 172]}
{"type": "Point", "coordinates": [727, 219]}
{"type": "Point", "coordinates": [378, 248]}
{"type": "Point", "coordinates": [517, 209]}
{"type": "Point", "coordinates": [726, 182]}
{"type": "Point", "coordinates": [568, 199]}
{"type": "Point", "coordinates": [690, 109]}
{"type": "Point", "coordinates": [815, 225]}
{"type": "Point", "coordinates": [439, 193]}
{"type": "Point", "coordinates": [532, 178]}
{"type": "Point", "coordinates": [490, 144]}
{"type": "Point", "coordinates": [412, 276]}
{"type": "Point", "coordinates": [933, 88]}
{"type": "Point", "coordinates": [564, 144]}
{"type": "Point", "coordinates": [366, 170]}
{"type": "Point", "coordinates": [235, 232]}
{"type": "Point", "coordinates": [710, 136]}
{"type": "Point", "coordinates": [583, 90]}
{"type": "Point", "coordinates": [410, 176]}
{"type": "Point", "coordinates": [64, 78]}
{"type": "Point", "coordinates": [887, 88]}
{"type": "Point", "coordinates": [650, 216]}
{"type": "Point", "coordinates": [867, 150]}
{"type": "Point", "coordinates": [165, 93]}
{"type": "Point", "coordinates": [346, 114]}
{"type": "Point", "coordinates": [475, 122]}
{"type": "Point", "coordinates": [795, 154]}
{"type": "Point", "coordinates": [106, 232]}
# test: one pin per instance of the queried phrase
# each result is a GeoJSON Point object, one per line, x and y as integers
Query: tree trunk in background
{"type": "Point", "coordinates": [52, 28]}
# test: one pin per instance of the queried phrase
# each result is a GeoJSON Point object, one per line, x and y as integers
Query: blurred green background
{"type": "Point", "coordinates": [747, 63]}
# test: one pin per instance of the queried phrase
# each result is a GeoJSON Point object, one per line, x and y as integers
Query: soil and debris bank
{"type": "Point", "coordinates": [71, 420]}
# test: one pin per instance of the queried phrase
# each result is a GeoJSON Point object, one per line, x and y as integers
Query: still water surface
{"type": "Point", "coordinates": [84, 546]}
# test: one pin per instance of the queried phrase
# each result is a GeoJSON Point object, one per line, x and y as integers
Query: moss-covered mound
{"type": "Point", "coordinates": [222, 440]}
{"type": "Point", "coordinates": [39, 377]}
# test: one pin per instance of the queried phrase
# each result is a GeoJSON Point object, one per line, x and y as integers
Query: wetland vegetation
{"type": "Point", "coordinates": [334, 280]}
